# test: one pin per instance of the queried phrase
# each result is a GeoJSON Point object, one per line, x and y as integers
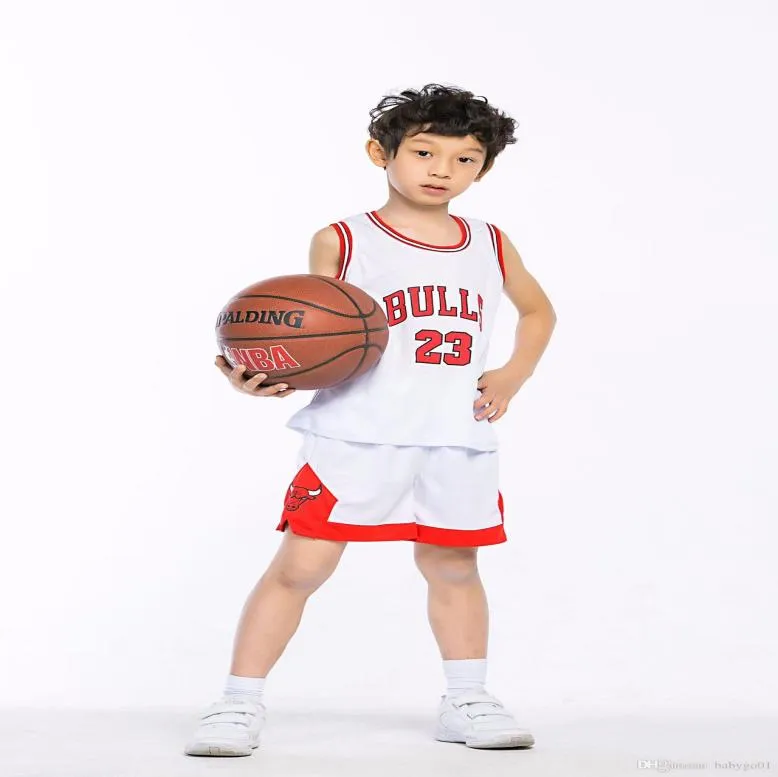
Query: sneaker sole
{"type": "Point", "coordinates": [218, 749]}
{"type": "Point", "coordinates": [497, 742]}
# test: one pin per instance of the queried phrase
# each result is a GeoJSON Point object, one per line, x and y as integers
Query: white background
{"type": "Point", "coordinates": [158, 156]}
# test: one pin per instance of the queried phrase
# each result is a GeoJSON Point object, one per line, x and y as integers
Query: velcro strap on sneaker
{"type": "Point", "coordinates": [479, 704]}
{"type": "Point", "coordinates": [230, 712]}
{"type": "Point", "coordinates": [474, 697]}
{"type": "Point", "coordinates": [223, 718]}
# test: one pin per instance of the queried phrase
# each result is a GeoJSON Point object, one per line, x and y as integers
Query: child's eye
{"type": "Point", "coordinates": [420, 151]}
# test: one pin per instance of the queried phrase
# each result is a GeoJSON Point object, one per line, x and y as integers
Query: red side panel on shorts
{"type": "Point", "coordinates": [494, 535]}
{"type": "Point", "coordinates": [307, 510]}
{"type": "Point", "coordinates": [309, 503]}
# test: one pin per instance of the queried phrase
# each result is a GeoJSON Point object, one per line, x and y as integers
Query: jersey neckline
{"type": "Point", "coordinates": [464, 229]}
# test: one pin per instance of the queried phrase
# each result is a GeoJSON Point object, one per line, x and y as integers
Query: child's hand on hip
{"type": "Point", "coordinates": [498, 387]}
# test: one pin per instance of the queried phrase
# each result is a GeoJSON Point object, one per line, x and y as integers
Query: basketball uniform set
{"type": "Point", "coordinates": [396, 453]}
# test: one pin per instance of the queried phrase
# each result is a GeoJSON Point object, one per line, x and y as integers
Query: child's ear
{"type": "Point", "coordinates": [376, 153]}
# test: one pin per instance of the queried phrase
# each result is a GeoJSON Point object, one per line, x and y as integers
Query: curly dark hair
{"type": "Point", "coordinates": [440, 110]}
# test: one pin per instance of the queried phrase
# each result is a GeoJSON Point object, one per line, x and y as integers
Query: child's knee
{"type": "Point", "coordinates": [448, 565]}
{"type": "Point", "coordinates": [301, 578]}
{"type": "Point", "coordinates": [306, 563]}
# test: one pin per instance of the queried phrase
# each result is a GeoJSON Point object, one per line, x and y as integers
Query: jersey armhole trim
{"type": "Point", "coordinates": [496, 236]}
{"type": "Point", "coordinates": [346, 242]}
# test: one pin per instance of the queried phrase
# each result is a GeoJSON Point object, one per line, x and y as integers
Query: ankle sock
{"type": "Point", "coordinates": [467, 674]}
{"type": "Point", "coordinates": [251, 688]}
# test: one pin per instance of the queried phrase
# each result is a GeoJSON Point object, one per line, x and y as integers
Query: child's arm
{"type": "Point", "coordinates": [324, 253]}
{"type": "Point", "coordinates": [537, 317]}
{"type": "Point", "coordinates": [537, 320]}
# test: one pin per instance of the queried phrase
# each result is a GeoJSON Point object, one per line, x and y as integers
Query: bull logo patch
{"type": "Point", "coordinates": [308, 496]}
{"type": "Point", "coordinates": [298, 495]}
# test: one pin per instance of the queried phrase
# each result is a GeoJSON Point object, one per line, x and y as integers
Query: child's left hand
{"type": "Point", "coordinates": [498, 387]}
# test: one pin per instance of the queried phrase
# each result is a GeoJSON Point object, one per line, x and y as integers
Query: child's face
{"type": "Point", "coordinates": [450, 162]}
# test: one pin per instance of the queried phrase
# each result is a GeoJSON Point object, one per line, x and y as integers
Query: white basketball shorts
{"type": "Point", "coordinates": [352, 491]}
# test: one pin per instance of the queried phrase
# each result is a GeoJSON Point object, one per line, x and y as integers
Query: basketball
{"type": "Point", "coordinates": [308, 331]}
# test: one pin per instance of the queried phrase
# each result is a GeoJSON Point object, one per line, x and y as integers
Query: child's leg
{"type": "Point", "coordinates": [458, 509]}
{"type": "Point", "coordinates": [274, 608]}
{"type": "Point", "coordinates": [456, 601]}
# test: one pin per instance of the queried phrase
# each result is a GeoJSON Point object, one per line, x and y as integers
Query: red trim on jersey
{"type": "Point", "coordinates": [310, 519]}
{"type": "Point", "coordinates": [497, 243]}
{"type": "Point", "coordinates": [464, 229]}
{"type": "Point", "coordinates": [346, 240]}
{"type": "Point", "coordinates": [349, 250]}
{"type": "Point", "coordinates": [342, 247]}
{"type": "Point", "coordinates": [491, 235]}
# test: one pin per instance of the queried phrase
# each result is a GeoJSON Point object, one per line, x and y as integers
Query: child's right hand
{"type": "Point", "coordinates": [251, 386]}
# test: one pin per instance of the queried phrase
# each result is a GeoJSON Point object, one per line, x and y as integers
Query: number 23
{"type": "Point", "coordinates": [462, 342]}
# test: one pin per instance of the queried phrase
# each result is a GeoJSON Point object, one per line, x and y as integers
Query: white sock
{"type": "Point", "coordinates": [250, 688]}
{"type": "Point", "coordinates": [465, 674]}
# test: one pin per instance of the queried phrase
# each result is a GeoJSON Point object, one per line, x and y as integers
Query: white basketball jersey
{"type": "Point", "coordinates": [440, 302]}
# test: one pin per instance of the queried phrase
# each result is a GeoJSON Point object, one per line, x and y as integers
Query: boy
{"type": "Point", "coordinates": [402, 452]}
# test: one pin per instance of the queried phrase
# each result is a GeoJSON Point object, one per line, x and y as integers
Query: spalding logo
{"type": "Point", "coordinates": [293, 318]}
{"type": "Point", "coordinates": [274, 357]}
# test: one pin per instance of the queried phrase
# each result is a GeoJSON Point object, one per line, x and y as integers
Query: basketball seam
{"type": "Point", "coordinates": [311, 304]}
{"type": "Point", "coordinates": [360, 316]}
{"type": "Point", "coordinates": [303, 337]}
{"type": "Point", "coordinates": [364, 323]}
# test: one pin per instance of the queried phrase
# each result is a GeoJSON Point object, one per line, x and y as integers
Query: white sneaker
{"type": "Point", "coordinates": [230, 726]}
{"type": "Point", "coordinates": [479, 720]}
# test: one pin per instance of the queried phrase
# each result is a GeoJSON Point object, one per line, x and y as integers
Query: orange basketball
{"type": "Point", "coordinates": [308, 331]}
